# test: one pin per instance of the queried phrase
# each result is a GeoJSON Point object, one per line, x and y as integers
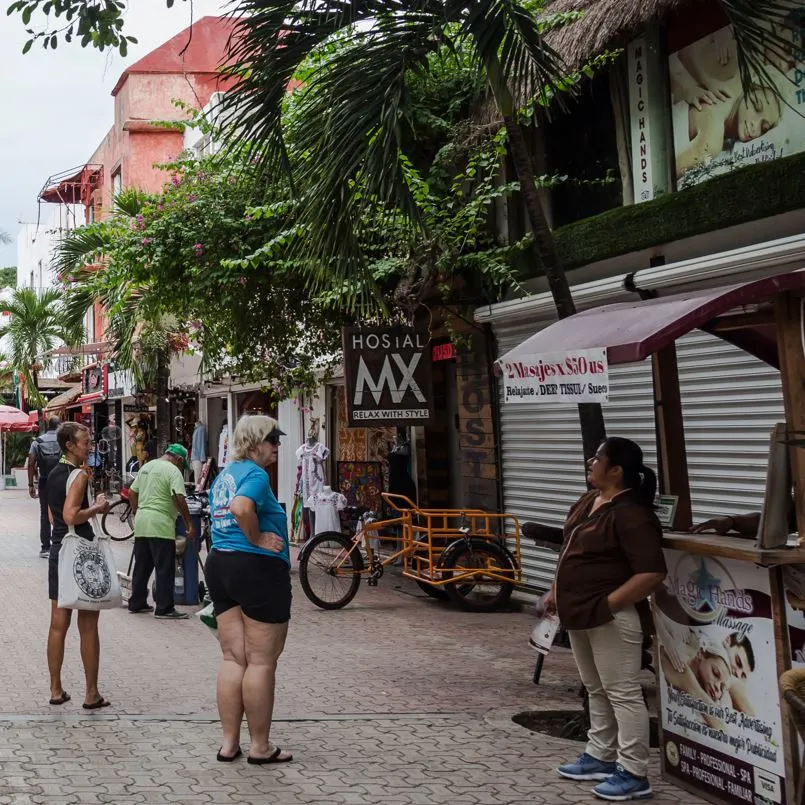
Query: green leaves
{"type": "Point", "coordinates": [96, 23]}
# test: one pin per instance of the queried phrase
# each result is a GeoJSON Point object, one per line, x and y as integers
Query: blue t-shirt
{"type": "Point", "coordinates": [245, 479]}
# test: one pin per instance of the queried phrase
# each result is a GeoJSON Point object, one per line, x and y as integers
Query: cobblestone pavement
{"type": "Point", "coordinates": [395, 699]}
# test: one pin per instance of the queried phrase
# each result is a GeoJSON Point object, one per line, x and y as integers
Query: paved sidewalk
{"type": "Point", "coordinates": [395, 699]}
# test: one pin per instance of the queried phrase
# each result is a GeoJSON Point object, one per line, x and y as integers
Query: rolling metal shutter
{"type": "Point", "coordinates": [730, 402]}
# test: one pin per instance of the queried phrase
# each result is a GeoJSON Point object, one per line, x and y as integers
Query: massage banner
{"type": "Point", "coordinates": [580, 376]}
{"type": "Point", "coordinates": [721, 726]}
{"type": "Point", "coordinates": [718, 126]}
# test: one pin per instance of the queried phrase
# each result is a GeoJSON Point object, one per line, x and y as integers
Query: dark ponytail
{"type": "Point", "coordinates": [627, 455]}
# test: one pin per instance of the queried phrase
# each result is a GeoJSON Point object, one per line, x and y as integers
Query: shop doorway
{"type": "Point", "coordinates": [261, 403]}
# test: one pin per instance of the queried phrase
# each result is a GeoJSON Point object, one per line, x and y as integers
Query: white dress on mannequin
{"type": "Point", "coordinates": [223, 444]}
{"type": "Point", "coordinates": [326, 504]}
{"type": "Point", "coordinates": [312, 455]}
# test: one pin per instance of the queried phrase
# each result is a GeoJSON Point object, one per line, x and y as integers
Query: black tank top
{"type": "Point", "coordinates": [57, 493]}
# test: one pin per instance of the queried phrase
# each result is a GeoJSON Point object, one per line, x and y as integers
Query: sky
{"type": "Point", "coordinates": [57, 104]}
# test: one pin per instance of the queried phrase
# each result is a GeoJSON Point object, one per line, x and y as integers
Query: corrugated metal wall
{"type": "Point", "coordinates": [730, 402]}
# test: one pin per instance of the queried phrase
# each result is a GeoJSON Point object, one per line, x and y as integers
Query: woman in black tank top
{"type": "Point", "coordinates": [71, 508]}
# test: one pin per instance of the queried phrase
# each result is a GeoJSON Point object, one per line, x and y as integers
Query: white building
{"type": "Point", "coordinates": [37, 242]}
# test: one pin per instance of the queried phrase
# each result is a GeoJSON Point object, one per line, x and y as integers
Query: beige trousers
{"type": "Point", "coordinates": [608, 658]}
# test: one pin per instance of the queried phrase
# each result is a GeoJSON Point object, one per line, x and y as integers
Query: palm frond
{"type": "Point", "coordinates": [268, 44]}
{"type": "Point", "coordinates": [352, 130]}
{"type": "Point", "coordinates": [81, 247]}
{"type": "Point", "coordinates": [771, 28]}
{"type": "Point", "coordinates": [129, 202]}
{"type": "Point", "coordinates": [505, 32]}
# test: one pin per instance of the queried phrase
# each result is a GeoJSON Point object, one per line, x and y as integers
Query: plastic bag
{"type": "Point", "coordinates": [207, 616]}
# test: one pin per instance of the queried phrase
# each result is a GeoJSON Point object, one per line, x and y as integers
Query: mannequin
{"type": "Point", "coordinates": [326, 504]}
{"type": "Point", "coordinates": [400, 481]}
{"type": "Point", "coordinates": [198, 452]}
{"type": "Point", "coordinates": [223, 444]}
{"type": "Point", "coordinates": [311, 455]}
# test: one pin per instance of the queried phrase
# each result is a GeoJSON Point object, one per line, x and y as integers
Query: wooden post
{"type": "Point", "coordinates": [782, 648]}
{"type": "Point", "coordinates": [791, 348]}
{"type": "Point", "coordinates": [672, 457]}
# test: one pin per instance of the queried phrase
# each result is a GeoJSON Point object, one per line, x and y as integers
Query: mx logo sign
{"type": "Point", "coordinates": [387, 371]}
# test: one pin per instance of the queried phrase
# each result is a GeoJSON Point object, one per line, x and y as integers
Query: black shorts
{"type": "Point", "coordinates": [259, 585]}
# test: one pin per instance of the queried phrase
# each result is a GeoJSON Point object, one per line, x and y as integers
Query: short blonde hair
{"type": "Point", "coordinates": [250, 431]}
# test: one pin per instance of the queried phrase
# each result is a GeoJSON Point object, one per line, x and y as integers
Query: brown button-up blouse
{"type": "Point", "coordinates": [602, 551]}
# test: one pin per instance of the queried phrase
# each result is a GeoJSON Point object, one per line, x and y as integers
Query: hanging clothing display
{"type": "Point", "coordinates": [326, 504]}
{"type": "Point", "coordinates": [311, 460]}
{"type": "Point", "coordinates": [400, 480]}
{"type": "Point", "coordinates": [198, 450]}
{"type": "Point", "coordinates": [223, 444]}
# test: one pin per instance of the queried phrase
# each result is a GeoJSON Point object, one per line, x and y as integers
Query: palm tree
{"type": "Point", "coordinates": [36, 323]}
{"type": "Point", "coordinates": [140, 335]}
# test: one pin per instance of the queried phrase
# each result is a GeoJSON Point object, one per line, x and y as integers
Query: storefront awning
{"type": "Point", "coordinates": [88, 399]}
{"type": "Point", "coordinates": [631, 331]}
{"type": "Point", "coordinates": [64, 399]}
{"type": "Point", "coordinates": [74, 186]}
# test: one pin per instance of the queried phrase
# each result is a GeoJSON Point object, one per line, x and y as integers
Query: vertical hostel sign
{"type": "Point", "coordinates": [388, 376]}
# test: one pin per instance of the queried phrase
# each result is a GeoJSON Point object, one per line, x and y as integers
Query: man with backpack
{"type": "Point", "coordinates": [43, 457]}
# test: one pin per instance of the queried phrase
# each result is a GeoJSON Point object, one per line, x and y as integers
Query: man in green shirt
{"type": "Point", "coordinates": [157, 496]}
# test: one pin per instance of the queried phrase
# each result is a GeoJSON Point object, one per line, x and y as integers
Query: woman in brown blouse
{"type": "Point", "coordinates": [611, 560]}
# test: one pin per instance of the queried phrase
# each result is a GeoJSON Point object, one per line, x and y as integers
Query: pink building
{"type": "Point", "coordinates": [185, 68]}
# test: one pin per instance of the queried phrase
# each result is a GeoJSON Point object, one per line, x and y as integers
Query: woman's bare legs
{"type": "Point", "coordinates": [90, 653]}
{"type": "Point", "coordinates": [230, 678]}
{"type": "Point", "coordinates": [57, 634]}
{"type": "Point", "coordinates": [264, 644]}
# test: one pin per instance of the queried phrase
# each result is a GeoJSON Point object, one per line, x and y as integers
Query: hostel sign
{"type": "Point", "coordinates": [388, 379]}
{"type": "Point", "coordinates": [580, 376]}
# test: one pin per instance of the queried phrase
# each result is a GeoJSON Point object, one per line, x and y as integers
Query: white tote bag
{"type": "Point", "coordinates": [87, 576]}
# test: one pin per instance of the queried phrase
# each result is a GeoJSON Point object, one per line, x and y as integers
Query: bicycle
{"type": "Point", "coordinates": [461, 555]}
{"type": "Point", "coordinates": [118, 522]}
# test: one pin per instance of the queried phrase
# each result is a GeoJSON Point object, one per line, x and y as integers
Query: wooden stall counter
{"type": "Point", "coordinates": [738, 548]}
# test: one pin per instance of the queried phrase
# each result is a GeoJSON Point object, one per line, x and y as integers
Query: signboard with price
{"type": "Point", "coordinates": [721, 725]}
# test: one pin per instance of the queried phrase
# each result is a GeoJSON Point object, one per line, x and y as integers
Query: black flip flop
{"type": "Point", "coordinates": [274, 757]}
{"type": "Point", "coordinates": [228, 758]}
{"type": "Point", "coordinates": [63, 699]}
{"type": "Point", "coordinates": [97, 705]}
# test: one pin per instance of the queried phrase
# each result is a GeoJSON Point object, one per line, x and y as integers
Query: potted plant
{"type": "Point", "coordinates": [17, 447]}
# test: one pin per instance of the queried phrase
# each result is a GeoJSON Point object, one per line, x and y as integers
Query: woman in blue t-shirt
{"type": "Point", "coordinates": [248, 576]}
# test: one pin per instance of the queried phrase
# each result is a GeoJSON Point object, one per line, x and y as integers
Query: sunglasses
{"type": "Point", "coordinates": [274, 438]}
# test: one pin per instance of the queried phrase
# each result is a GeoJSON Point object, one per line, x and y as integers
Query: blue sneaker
{"type": "Point", "coordinates": [587, 767]}
{"type": "Point", "coordinates": [622, 786]}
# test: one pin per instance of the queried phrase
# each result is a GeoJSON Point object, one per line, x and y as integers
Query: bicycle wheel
{"type": "Point", "coordinates": [330, 570]}
{"type": "Point", "coordinates": [479, 593]}
{"type": "Point", "coordinates": [118, 523]}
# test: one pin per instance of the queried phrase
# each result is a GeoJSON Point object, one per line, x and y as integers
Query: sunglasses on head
{"type": "Point", "coordinates": [274, 437]}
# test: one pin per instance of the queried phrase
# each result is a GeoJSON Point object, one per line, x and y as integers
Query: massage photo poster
{"type": "Point", "coordinates": [717, 126]}
{"type": "Point", "coordinates": [720, 720]}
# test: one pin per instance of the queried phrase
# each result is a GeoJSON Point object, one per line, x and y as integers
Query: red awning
{"type": "Point", "coordinates": [631, 331]}
{"type": "Point", "coordinates": [72, 187]}
{"type": "Point", "coordinates": [12, 419]}
{"type": "Point", "coordinates": [88, 399]}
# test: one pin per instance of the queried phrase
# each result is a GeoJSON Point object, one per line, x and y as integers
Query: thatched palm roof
{"type": "Point", "coordinates": [606, 23]}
